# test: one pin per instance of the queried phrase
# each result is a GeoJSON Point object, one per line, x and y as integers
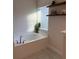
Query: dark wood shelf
{"type": "Point", "coordinates": [57, 4]}
{"type": "Point", "coordinates": [57, 15]}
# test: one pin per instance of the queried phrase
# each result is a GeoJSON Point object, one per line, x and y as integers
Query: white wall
{"type": "Point", "coordinates": [56, 25]}
{"type": "Point", "coordinates": [23, 8]}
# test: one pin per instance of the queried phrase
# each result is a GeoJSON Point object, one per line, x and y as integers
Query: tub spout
{"type": "Point", "coordinates": [20, 39]}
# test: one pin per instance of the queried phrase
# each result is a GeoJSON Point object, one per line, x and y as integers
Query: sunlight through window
{"type": "Point", "coordinates": [39, 16]}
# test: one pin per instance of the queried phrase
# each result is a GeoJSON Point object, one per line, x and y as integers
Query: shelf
{"type": "Point", "coordinates": [57, 4]}
{"type": "Point", "coordinates": [57, 15]}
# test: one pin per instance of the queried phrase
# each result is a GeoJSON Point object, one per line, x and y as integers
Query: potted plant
{"type": "Point", "coordinates": [37, 27]}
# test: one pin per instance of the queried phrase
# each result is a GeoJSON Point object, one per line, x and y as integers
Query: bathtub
{"type": "Point", "coordinates": [33, 42]}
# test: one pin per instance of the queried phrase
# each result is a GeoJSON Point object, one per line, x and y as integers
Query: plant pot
{"type": "Point", "coordinates": [36, 30]}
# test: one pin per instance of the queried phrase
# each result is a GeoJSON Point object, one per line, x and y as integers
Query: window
{"type": "Point", "coordinates": [38, 16]}
{"type": "Point", "coordinates": [43, 11]}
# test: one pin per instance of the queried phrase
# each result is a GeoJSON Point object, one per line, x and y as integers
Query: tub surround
{"type": "Point", "coordinates": [33, 43]}
{"type": "Point", "coordinates": [29, 41]}
{"type": "Point", "coordinates": [31, 37]}
{"type": "Point", "coordinates": [25, 50]}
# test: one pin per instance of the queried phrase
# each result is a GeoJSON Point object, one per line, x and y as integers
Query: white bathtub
{"type": "Point", "coordinates": [33, 43]}
{"type": "Point", "coordinates": [30, 37]}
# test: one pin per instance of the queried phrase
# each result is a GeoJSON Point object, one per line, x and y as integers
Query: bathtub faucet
{"type": "Point", "coordinates": [20, 39]}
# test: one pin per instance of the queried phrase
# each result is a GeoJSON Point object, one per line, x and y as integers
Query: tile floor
{"type": "Point", "coordinates": [44, 54]}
